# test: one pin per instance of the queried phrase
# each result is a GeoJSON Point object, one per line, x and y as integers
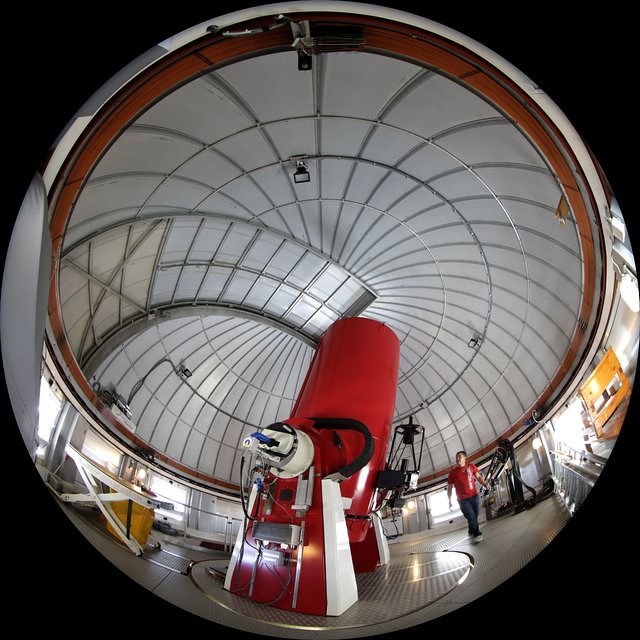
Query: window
{"type": "Point", "coordinates": [568, 425]}
{"type": "Point", "coordinates": [439, 506]}
{"type": "Point", "coordinates": [48, 410]}
{"type": "Point", "coordinates": [170, 492]}
{"type": "Point", "coordinates": [97, 449]}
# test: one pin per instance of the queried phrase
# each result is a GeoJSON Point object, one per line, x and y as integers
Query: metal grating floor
{"type": "Point", "coordinates": [404, 585]}
{"type": "Point", "coordinates": [173, 560]}
{"type": "Point", "coordinates": [168, 559]}
{"type": "Point", "coordinates": [430, 575]}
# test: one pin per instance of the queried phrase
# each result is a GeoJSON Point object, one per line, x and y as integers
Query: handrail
{"type": "Point", "coordinates": [573, 479]}
{"type": "Point", "coordinates": [226, 529]}
{"type": "Point", "coordinates": [581, 473]}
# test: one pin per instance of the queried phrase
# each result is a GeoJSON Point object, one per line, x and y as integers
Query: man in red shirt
{"type": "Point", "coordinates": [463, 477]}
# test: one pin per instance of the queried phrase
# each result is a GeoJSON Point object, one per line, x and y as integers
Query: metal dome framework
{"type": "Point", "coordinates": [442, 200]}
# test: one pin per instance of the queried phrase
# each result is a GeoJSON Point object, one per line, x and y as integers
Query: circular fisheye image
{"type": "Point", "coordinates": [318, 320]}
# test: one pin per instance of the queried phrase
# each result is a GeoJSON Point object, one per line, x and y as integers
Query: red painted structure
{"type": "Point", "coordinates": [351, 383]}
{"type": "Point", "coordinates": [354, 374]}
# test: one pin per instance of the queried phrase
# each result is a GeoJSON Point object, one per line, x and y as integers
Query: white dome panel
{"type": "Point", "coordinates": [428, 208]}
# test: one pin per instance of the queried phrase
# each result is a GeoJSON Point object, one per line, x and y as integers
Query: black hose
{"type": "Point", "coordinates": [242, 497]}
{"type": "Point", "coordinates": [524, 484]}
{"type": "Point", "coordinates": [354, 425]}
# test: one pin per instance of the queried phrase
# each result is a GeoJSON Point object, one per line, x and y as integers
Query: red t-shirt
{"type": "Point", "coordinates": [463, 479]}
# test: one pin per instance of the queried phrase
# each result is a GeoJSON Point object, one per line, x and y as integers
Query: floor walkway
{"type": "Point", "coordinates": [429, 575]}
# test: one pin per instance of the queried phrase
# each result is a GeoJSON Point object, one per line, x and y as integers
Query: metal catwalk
{"type": "Point", "coordinates": [429, 575]}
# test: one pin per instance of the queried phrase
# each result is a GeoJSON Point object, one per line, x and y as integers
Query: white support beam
{"type": "Point", "coordinates": [340, 577]}
{"type": "Point", "coordinates": [91, 472]}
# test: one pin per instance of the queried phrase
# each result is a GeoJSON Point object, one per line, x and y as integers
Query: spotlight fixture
{"type": "Point", "coordinates": [185, 372]}
{"type": "Point", "coordinates": [305, 61]}
{"type": "Point", "coordinates": [562, 211]}
{"type": "Point", "coordinates": [302, 173]}
{"type": "Point", "coordinates": [474, 342]}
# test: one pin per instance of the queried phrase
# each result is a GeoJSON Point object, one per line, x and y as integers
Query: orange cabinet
{"type": "Point", "coordinates": [603, 392]}
{"type": "Point", "coordinates": [139, 519]}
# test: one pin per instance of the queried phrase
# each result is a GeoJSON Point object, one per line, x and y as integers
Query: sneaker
{"type": "Point", "coordinates": [478, 538]}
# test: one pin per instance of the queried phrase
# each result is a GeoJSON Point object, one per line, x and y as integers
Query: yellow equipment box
{"type": "Point", "coordinates": [137, 519]}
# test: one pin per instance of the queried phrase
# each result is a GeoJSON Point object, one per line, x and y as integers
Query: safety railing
{"type": "Point", "coordinates": [224, 525]}
{"type": "Point", "coordinates": [575, 473]}
{"type": "Point", "coordinates": [221, 528]}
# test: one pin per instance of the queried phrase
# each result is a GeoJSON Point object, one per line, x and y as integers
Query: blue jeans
{"type": "Point", "coordinates": [470, 508]}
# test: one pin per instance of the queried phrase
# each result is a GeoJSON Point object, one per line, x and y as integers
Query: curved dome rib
{"type": "Point", "coordinates": [431, 208]}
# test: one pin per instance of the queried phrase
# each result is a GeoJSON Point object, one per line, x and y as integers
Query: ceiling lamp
{"type": "Point", "coordinates": [183, 371]}
{"type": "Point", "coordinates": [302, 173]}
{"type": "Point", "coordinates": [562, 211]}
{"type": "Point", "coordinates": [474, 342]}
{"type": "Point", "coordinates": [305, 61]}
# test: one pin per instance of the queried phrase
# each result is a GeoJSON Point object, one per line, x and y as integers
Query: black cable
{"type": "Point", "coordinates": [517, 475]}
{"type": "Point", "coordinates": [136, 387]}
{"type": "Point", "coordinates": [396, 456]}
{"type": "Point", "coordinates": [283, 586]}
{"type": "Point", "coordinates": [354, 425]}
{"type": "Point", "coordinates": [284, 509]}
{"type": "Point", "coordinates": [242, 496]}
{"type": "Point", "coordinates": [240, 588]}
{"type": "Point", "coordinates": [393, 521]}
{"type": "Point", "coordinates": [245, 527]}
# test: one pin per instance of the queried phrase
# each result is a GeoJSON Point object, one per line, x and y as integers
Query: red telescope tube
{"type": "Point", "coordinates": [347, 402]}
